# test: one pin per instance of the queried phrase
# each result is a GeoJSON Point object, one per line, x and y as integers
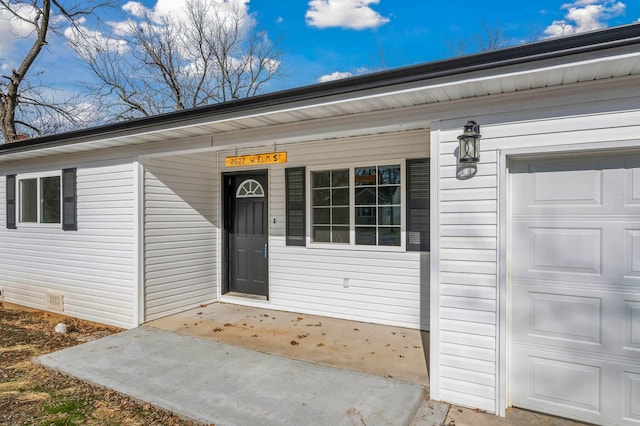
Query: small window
{"type": "Point", "coordinates": [378, 207]}
{"type": "Point", "coordinates": [330, 203]}
{"type": "Point", "coordinates": [39, 200]}
{"type": "Point", "coordinates": [250, 188]}
{"type": "Point", "coordinates": [29, 200]}
{"type": "Point", "coordinates": [50, 199]}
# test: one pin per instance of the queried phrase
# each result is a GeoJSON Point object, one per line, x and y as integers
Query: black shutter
{"type": "Point", "coordinates": [11, 202]}
{"type": "Point", "coordinates": [296, 206]}
{"type": "Point", "coordinates": [418, 204]}
{"type": "Point", "coordinates": [69, 200]}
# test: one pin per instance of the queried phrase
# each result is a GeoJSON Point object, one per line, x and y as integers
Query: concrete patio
{"type": "Point", "coordinates": [234, 365]}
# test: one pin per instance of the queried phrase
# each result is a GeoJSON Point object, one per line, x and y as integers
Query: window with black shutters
{"type": "Point", "coordinates": [296, 206]}
{"type": "Point", "coordinates": [42, 199]}
{"type": "Point", "coordinates": [418, 204]}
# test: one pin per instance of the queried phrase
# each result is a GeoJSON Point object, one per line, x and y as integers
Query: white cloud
{"type": "Point", "coordinates": [334, 76]}
{"type": "Point", "coordinates": [176, 9]}
{"type": "Point", "coordinates": [353, 14]}
{"type": "Point", "coordinates": [14, 30]}
{"type": "Point", "coordinates": [88, 40]}
{"type": "Point", "coordinates": [585, 15]}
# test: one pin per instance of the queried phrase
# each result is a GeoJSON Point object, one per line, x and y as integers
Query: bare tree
{"type": "Point", "coordinates": [20, 101]}
{"type": "Point", "coordinates": [489, 36]}
{"type": "Point", "coordinates": [153, 64]}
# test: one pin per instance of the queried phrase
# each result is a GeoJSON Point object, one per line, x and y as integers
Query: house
{"type": "Point", "coordinates": [348, 199]}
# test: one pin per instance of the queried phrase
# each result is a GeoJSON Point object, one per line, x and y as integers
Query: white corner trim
{"type": "Point", "coordinates": [434, 275]}
{"type": "Point", "coordinates": [502, 332]}
{"type": "Point", "coordinates": [219, 200]}
{"type": "Point", "coordinates": [138, 249]}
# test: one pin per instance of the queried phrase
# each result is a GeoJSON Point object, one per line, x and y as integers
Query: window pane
{"type": "Point", "coordinates": [365, 176]}
{"type": "Point", "coordinates": [29, 200]}
{"type": "Point", "coordinates": [322, 216]}
{"type": "Point", "coordinates": [340, 216]}
{"type": "Point", "coordinates": [365, 196]}
{"type": "Point", "coordinates": [389, 216]}
{"type": "Point", "coordinates": [366, 236]}
{"type": "Point", "coordinates": [321, 197]}
{"type": "Point", "coordinates": [365, 215]}
{"type": "Point", "coordinates": [389, 175]}
{"type": "Point", "coordinates": [321, 234]}
{"type": "Point", "coordinates": [340, 197]}
{"type": "Point", "coordinates": [321, 179]}
{"type": "Point", "coordinates": [340, 234]}
{"type": "Point", "coordinates": [340, 177]}
{"type": "Point", "coordinates": [50, 193]}
{"type": "Point", "coordinates": [389, 236]}
{"type": "Point", "coordinates": [389, 195]}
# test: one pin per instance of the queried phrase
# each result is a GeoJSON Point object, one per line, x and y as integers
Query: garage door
{"type": "Point", "coordinates": [575, 287]}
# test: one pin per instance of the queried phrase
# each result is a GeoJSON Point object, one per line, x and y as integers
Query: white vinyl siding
{"type": "Point", "coordinates": [383, 287]}
{"type": "Point", "coordinates": [93, 267]}
{"type": "Point", "coordinates": [469, 370]}
{"type": "Point", "coordinates": [180, 199]}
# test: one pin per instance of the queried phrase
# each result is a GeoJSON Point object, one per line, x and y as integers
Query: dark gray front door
{"type": "Point", "coordinates": [246, 226]}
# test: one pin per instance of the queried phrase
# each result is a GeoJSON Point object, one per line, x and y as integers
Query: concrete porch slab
{"type": "Point", "coordinates": [386, 351]}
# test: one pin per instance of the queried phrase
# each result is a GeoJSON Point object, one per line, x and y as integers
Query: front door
{"type": "Point", "coordinates": [246, 233]}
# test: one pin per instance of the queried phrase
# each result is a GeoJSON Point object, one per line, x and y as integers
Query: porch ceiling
{"type": "Point", "coordinates": [517, 78]}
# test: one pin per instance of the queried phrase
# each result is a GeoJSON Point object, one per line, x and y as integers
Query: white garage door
{"type": "Point", "coordinates": [575, 287]}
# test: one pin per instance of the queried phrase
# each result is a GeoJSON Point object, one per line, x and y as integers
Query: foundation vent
{"type": "Point", "coordinates": [55, 302]}
{"type": "Point", "coordinates": [1, 293]}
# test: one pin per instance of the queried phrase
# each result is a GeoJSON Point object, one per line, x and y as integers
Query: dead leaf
{"type": "Point", "coordinates": [203, 305]}
{"type": "Point", "coordinates": [228, 324]}
{"type": "Point", "coordinates": [217, 329]}
{"type": "Point", "coordinates": [294, 343]}
{"type": "Point", "coordinates": [319, 345]}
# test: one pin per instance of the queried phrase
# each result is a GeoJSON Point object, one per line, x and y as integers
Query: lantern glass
{"type": "Point", "coordinates": [469, 144]}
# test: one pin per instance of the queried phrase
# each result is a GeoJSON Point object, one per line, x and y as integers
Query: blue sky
{"type": "Point", "coordinates": [328, 39]}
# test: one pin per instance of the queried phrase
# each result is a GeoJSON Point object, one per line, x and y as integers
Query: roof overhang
{"type": "Point", "coordinates": [600, 55]}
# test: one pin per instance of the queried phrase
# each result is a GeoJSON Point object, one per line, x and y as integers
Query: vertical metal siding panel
{"type": "Point", "coordinates": [92, 267]}
{"type": "Point", "coordinates": [384, 287]}
{"type": "Point", "coordinates": [179, 233]}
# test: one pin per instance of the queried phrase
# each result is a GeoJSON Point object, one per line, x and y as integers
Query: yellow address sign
{"type": "Point", "coordinates": [256, 159]}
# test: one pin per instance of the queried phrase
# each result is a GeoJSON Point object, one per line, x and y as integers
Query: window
{"type": "Point", "coordinates": [330, 200]}
{"type": "Point", "coordinates": [378, 205]}
{"type": "Point", "coordinates": [45, 199]}
{"type": "Point", "coordinates": [40, 200]}
{"type": "Point", "coordinates": [357, 205]}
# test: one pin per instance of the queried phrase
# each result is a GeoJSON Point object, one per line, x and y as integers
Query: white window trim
{"type": "Point", "coordinates": [37, 224]}
{"type": "Point", "coordinates": [352, 211]}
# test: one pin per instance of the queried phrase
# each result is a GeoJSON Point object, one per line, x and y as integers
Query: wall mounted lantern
{"type": "Point", "coordinates": [469, 151]}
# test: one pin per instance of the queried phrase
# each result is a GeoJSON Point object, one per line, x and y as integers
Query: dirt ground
{"type": "Point", "coordinates": [33, 395]}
